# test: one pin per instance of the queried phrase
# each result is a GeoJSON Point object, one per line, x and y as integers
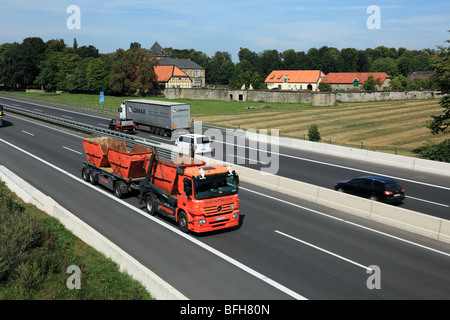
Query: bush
{"type": "Point", "coordinates": [313, 133]}
{"type": "Point", "coordinates": [437, 152]}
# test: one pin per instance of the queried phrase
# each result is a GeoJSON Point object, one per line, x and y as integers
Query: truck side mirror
{"type": "Point", "coordinates": [187, 187]}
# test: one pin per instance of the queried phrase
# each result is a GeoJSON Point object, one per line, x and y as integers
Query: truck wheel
{"type": "Point", "coordinates": [150, 204]}
{"type": "Point", "coordinates": [85, 173]}
{"type": "Point", "coordinates": [183, 222]}
{"type": "Point", "coordinates": [118, 189]}
{"type": "Point", "coordinates": [93, 178]}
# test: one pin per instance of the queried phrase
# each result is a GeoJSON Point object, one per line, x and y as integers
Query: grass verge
{"type": "Point", "coordinates": [36, 251]}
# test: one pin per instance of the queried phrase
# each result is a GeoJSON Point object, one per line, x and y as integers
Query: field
{"type": "Point", "coordinates": [385, 126]}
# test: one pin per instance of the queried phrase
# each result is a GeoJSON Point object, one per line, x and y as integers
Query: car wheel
{"type": "Point", "coordinates": [340, 189]}
{"type": "Point", "coordinates": [373, 198]}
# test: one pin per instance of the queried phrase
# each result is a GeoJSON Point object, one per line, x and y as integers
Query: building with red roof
{"type": "Point", "coordinates": [352, 80]}
{"type": "Point", "coordinates": [294, 79]}
{"type": "Point", "coordinates": [172, 77]}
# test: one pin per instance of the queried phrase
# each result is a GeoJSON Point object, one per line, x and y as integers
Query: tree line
{"type": "Point", "coordinates": [53, 65]}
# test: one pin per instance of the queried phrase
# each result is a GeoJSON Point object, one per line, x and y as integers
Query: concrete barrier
{"type": "Point", "coordinates": [157, 287]}
{"type": "Point", "coordinates": [412, 163]}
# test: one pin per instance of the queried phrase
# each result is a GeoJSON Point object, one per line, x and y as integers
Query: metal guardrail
{"type": "Point", "coordinates": [74, 125]}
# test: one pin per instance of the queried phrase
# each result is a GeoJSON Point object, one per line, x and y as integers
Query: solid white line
{"type": "Point", "coordinates": [256, 161]}
{"type": "Point", "coordinates": [45, 126]}
{"type": "Point", "coordinates": [68, 117]}
{"type": "Point", "coordinates": [171, 228]}
{"type": "Point", "coordinates": [428, 201]}
{"type": "Point", "coordinates": [349, 222]}
{"type": "Point", "coordinates": [71, 150]}
{"type": "Point", "coordinates": [31, 134]}
{"type": "Point", "coordinates": [323, 250]}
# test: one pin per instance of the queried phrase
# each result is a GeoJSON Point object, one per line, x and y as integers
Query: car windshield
{"type": "Point", "coordinates": [215, 186]}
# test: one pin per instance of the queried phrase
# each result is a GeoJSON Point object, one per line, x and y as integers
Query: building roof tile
{"type": "Point", "coordinates": [295, 76]}
{"type": "Point", "coordinates": [349, 77]}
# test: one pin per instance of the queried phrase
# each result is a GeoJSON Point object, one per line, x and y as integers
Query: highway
{"type": "Point", "coordinates": [427, 193]}
{"type": "Point", "coordinates": [285, 248]}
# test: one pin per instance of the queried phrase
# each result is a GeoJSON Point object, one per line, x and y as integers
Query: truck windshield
{"type": "Point", "coordinates": [213, 186]}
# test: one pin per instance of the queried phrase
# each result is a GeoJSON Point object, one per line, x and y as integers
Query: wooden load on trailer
{"type": "Point", "coordinates": [197, 196]}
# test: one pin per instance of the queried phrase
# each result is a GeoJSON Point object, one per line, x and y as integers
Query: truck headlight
{"type": "Point", "coordinates": [236, 215]}
{"type": "Point", "coordinates": [201, 221]}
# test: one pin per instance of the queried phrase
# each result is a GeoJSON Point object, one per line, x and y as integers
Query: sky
{"type": "Point", "coordinates": [211, 26]}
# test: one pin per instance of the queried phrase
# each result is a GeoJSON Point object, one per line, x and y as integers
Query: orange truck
{"type": "Point", "coordinates": [198, 197]}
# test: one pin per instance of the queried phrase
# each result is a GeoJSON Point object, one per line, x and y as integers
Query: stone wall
{"type": "Point", "coordinates": [315, 98]}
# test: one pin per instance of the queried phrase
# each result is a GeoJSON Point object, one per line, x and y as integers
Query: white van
{"type": "Point", "coordinates": [198, 143]}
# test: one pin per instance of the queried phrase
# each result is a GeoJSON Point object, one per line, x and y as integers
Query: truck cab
{"type": "Point", "coordinates": [211, 199]}
{"type": "Point", "coordinates": [199, 198]}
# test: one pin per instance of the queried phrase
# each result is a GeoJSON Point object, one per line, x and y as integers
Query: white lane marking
{"type": "Point", "coordinates": [428, 201]}
{"type": "Point", "coordinates": [29, 133]}
{"type": "Point", "coordinates": [45, 126]}
{"type": "Point", "coordinates": [68, 117]}
{"type": "Point", "coordinates": [252, 160]}
{"type": "Point", "coordinates": [323, 250]}
{"type": "Point", "coordinates": [71, 150]}
{"type": "Point", "coordinates": [216, 252]}
{"type": "Point", "coordinates": [349, 222]}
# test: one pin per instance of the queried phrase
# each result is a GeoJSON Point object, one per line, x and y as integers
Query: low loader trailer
{"type": "Point", "coordinates": [198, 197]}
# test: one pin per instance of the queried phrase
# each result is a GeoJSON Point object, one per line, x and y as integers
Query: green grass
{"type": "Point", "coordinates": [36, 250]}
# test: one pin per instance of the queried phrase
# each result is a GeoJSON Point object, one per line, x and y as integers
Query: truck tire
{"type": "Point", "coordinates": [118, 189]}
{"type": "Point", "coordinates": [183, 222]}
{"type": "Point", "coordinates": [85, 173]}
{"type": "Point", "coordinates": [150, 204]}
{"type": "Point", "coordinates": [93, 177]}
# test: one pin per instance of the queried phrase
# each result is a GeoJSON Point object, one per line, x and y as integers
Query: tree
{"type": "Point", "coordinates": [47, 78]}
{"type": "Point", "coordinates": [135, 45]}
{"type": "Point", "coordinates": [441, 63]}
{"type": "Point", "coordinates": [370, 84]}
{"type": "Point", "coordinates": [132, 72]}
{"type": "Point", "coordinates": [387, 65]}
{"type": "Point", "coordinates": [313, 133]}
{"type": "Point", "coordinates": [399, 83]}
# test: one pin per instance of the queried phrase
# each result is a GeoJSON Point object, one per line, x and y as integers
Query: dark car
{"type": "Point", "coordinates": [122, 125]}
{"type": "Point", "coordinates": [374, 188]}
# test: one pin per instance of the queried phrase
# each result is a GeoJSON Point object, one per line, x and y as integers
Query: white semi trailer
{"type": "Point", "coordinates": [161, 117]}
